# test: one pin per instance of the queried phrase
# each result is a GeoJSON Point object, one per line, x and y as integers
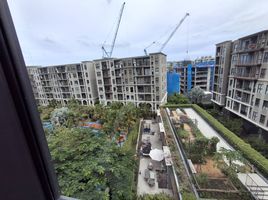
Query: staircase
{"type": "Point", "coordinates": [256, 185]}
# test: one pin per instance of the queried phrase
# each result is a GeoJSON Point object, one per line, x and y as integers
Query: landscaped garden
{"type": "Point", "coordinates": [213, 178]}
{"type": "Point", "coordinates": [91, 158]}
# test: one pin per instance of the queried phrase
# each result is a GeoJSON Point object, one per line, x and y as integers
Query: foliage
{"type": "Point", "coordinates": [199, 150]}
{"type": "Point", "coordinates": [177, 99]}
{"type": "Point", "coordinates": [53, 104]}
{"type": "Point", "coordinates": [144, 110]}
{"type": "Point", "coordinates": [130, 144]}
{"type": "Point", "coordinates": [196, 95]}
{"type": "Point", "coordinates": [247, 151]}
{"type": "Point", "coordinates": [90, 166]}
{"type": "Point", "coordinates": [188, 196]}
{"type": "Point", "coordinates": [213, 145]}
{"type": "Point", "coordinates": [161, 196]}
{"type": "Point", "coordinates": [233, 157]}
{"type": "Point", "coordinates": [202, 179]}
{"type": "Point", "coordinates": [234, 124]}
{"type": "Point", "coordinates": [259, 144]}
{"type": "Point", "coordinates": [59, 116]}
{"type": "Point", "coordinates": [197, 133]}
{"type": "Point", "coordinates": [45, 112]}
{"type": "Point", "coordinates": [183, 133]}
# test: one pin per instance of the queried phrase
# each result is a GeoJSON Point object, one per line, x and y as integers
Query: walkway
{"type": "Point", "coordinates": [208, 131]}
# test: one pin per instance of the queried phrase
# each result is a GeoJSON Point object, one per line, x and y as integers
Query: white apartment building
{"type": "Point", "coordinates": [244, 89]}
{"type": "Point", "coordinates": [64, 82]}
{"type": "Point", "coordinates": [221, 72]}
{"type": "Point", "coordinates": [248, 79]}
{"type": "Point", "coordinates": [136, 79]}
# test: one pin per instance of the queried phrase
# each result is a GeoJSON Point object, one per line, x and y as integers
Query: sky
{"type": "Point", "coordinates": [54, 32]}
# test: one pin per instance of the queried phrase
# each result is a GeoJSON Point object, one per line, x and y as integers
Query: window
{"type": "Point", "coordinates": [87, 75]}
{"type": "Point", "coordinates": [263, 72]}
{"type": "Point", "coordinates": [262, 119]}
{"type": "Point", "coordinates": [98, 73]}
{"type": "Point", "coordinates": [131, 89]}
{"type": "Point", "coordinates": [254, 115]}
{"type": "Point", "coordinates": [257, 102]}
{"type": "Point", "coordinates": [266, 90]}
{"type": "Point", "coordinates": [259, 89]}
{"type": "Point", "coordinates": [87, 81]}
{"type": "Point", "coordinates": [265, 57]}
{"type": "Point", "coordinates": [99, 82]}
{"type": "Point", "coordinates": [265, 105]}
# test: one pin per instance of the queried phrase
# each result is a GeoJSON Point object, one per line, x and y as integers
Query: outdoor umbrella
{"type": "Point", "coordinates": [156, 154]}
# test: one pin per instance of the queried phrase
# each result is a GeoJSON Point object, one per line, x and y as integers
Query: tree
{"type": "Point", "coordinates": [59, 116]}
{"type": "Point", "coordinates": [144, 110]}
{"type": "Point", "coordinates": [196, 95]}
{"type": "Point", "coordinates": [213, 145]}
{"type": "Point", "coordinates": [90, 166]}
{"type": "Point", "coordinates": [177, 99]}
{"type": "Point", "coordinates": [234, 158]}
{"type": "Point", "coordinates": [127, 116]}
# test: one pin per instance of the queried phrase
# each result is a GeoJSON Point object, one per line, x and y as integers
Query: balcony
{"type": "Point", "coordinates": [250, 48]}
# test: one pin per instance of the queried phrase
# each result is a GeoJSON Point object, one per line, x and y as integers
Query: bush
{"type": "Point", "coordinates": [178, 99]}
{"type": "Point", "coordinates": [247, 151]}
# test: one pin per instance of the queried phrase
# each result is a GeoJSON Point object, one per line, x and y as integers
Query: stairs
{"type": "Point", "coordinates": [256, 185]}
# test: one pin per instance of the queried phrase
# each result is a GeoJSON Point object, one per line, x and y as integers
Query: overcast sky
{"type": "Point", "coordinates": [68, 31]}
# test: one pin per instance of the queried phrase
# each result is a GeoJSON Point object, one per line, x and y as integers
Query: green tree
{"type": "Point", "coordinates": [196, 95]}
{"type": "Point", "coordinates": [234, 158]}
{"type": "Point", "coordinates": [177, 99]}
{"type": "Point", "coordinates": [90, 166]}
{"type": "Point", "coordinates": [144, 110]}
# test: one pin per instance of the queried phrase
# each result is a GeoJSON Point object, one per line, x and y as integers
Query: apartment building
{"type": "Point", "coordinates": [197, 73]}
{"type": "Point", "coordinates": [136, 79]}
{"type": "Point", "coordinates": [221, 72]}
{"type": "Point", "coordinates": [248, 79]}
{"type": "Point", "coordinates": [64, 82]}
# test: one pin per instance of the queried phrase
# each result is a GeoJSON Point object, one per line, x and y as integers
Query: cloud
{"type": "Point", "coordinates": [67, 31]}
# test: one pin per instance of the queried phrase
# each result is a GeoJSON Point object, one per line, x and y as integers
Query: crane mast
{"type": "Point", "coordinates": [109, 54]}
{"type": "Point", "coordinates": [173, 32]}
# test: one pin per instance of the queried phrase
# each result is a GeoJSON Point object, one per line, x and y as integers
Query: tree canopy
{"type": "Point", "coordinates": [90, 166]}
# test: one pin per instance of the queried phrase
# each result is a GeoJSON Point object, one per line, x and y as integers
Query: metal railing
{"type": "Point", "coordinates": [254, 188]}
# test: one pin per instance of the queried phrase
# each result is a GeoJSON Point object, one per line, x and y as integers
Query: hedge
{"type": "Point", "coordinates": [176, 105]}
{"type": "Point", "coordinates": [253, 156]}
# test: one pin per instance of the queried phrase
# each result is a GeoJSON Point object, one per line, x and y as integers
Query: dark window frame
{"type": "Point", "coordinates": [23, 144]}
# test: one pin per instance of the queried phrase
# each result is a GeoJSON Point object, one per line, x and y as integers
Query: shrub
{"type": "Point", "coordinates": [247, 151]}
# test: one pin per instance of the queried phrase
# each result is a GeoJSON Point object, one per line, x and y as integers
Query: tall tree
{"type": "Point", "coordinates": [90, 166]}
{"type": "Point", "coordinates": [196, 95]}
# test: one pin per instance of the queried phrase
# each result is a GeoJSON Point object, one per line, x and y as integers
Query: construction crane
{"type": "Point", "coordinates": [173, 32]}
{"type": "Point", "coordinates": [145, 49]}
{"type": "Point", "coordinates": [108, 54]}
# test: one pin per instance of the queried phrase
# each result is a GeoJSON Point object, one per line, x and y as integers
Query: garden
{"type": "Point", "coordinates": [93, 148]}
{"type": "Point", "coordinates": [213, 178]}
